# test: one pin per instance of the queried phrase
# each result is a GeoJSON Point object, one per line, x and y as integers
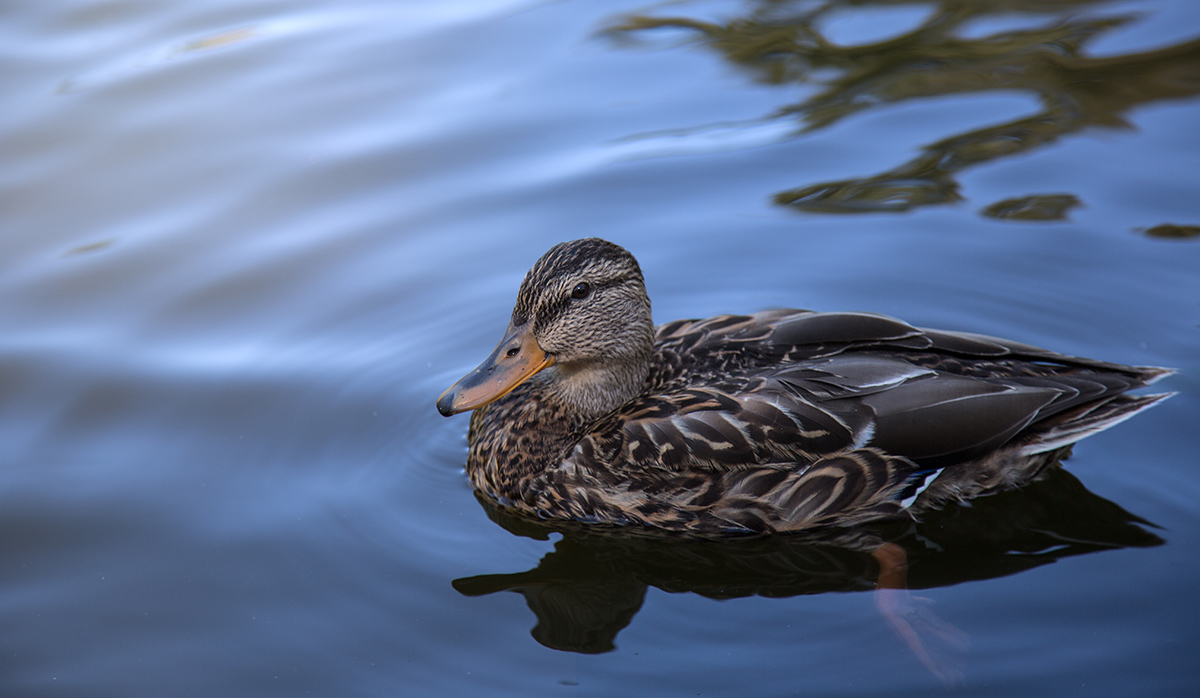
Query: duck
{"type": "Point", "coordinates": [774, 422]}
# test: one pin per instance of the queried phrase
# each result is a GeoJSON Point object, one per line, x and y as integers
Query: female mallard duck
{"type": "Point", "coordinates": [779, 421]}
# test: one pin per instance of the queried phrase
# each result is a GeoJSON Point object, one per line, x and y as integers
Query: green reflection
{"type": "Point", "coordinates": [89, 248]}
{"type": "Point", "coordinates": [1045, 207]}
{"type": "Point", "coordinates": [780, 43]}
{"type": "Point", "coordinates": [1170, 231]}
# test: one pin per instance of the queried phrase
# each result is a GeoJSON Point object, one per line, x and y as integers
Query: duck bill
{"type": "Point", "coordinates": [504, 370]}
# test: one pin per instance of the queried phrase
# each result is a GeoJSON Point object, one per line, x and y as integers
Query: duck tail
{"type": "Point", "coordinates": [1093, 418]}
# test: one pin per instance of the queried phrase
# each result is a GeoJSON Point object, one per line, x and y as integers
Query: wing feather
{"type": "Point", "coordinates": [798, 385]}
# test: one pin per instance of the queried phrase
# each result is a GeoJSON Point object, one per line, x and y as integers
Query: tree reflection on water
{"type": "Point", "coordinates": [780, 43]}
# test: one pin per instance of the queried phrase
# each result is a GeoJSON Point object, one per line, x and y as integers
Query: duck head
{"type": "Point", "coordinates": [581, 330]}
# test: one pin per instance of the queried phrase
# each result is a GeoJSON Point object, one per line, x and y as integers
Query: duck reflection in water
{"type": "Point", "coordinates": [593, 583]}
{"type": "Point", "coordinates": [782, 422]}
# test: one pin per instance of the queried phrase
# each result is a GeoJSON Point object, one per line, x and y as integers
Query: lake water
{"type": "Point", "coordinates": [246, 244]}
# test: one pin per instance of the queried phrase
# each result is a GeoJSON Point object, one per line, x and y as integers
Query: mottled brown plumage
{"type": "Point", "coordinates": [779, 421]}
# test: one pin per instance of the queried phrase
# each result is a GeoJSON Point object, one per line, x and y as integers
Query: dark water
{"type": "Point", "coordinates": [246, 244]}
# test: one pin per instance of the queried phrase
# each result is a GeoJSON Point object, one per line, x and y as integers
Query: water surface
{"type": "Point", "coordinates": [247, 244]}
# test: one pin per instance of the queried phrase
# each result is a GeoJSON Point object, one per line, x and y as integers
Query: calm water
{"type": "Point", "coordinates": [246, 244]}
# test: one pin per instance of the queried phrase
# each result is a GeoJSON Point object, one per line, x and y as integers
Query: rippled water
{"type": "Point", "coordinates": [246, 244]}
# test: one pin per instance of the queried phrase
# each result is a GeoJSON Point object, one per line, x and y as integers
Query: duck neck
{"type": "Point", "coordinates": [593, 389]}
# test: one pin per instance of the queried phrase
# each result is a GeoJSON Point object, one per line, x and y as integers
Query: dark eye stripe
{"type": "Point", "coordinates": [550, 312]}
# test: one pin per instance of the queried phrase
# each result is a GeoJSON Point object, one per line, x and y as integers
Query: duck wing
{"type": "Point", "coordinates": [792, 387]}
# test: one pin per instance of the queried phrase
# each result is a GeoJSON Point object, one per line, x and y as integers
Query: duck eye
{"type": "Point", "coordinates": [581, 290]}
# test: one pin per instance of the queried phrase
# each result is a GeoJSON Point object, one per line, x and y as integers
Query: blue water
{"type": "Point", "coordinates": [246, 244]}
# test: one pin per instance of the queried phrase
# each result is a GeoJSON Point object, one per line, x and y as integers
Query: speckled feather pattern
{"type": "Point", "coordinates": [784, 420]}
